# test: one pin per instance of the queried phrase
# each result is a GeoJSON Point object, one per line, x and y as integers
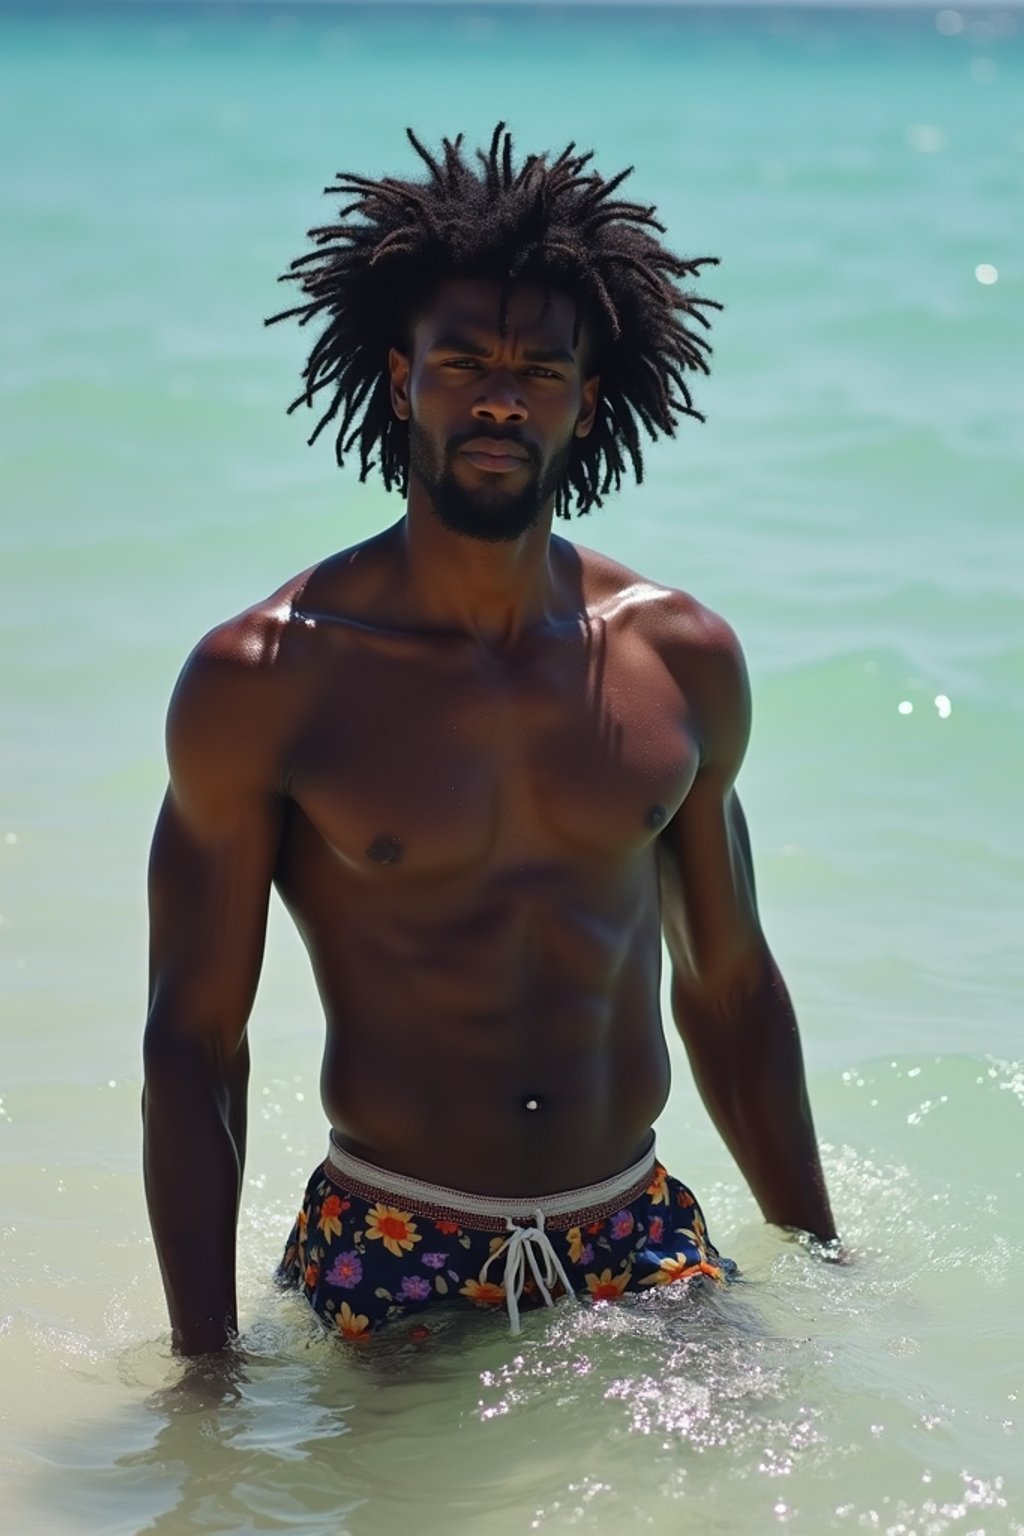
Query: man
{"type": "Point", "coordinates": [486, 770]}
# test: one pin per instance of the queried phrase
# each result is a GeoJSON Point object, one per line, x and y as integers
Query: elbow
{"type": "Point", "coordinates": [177, 1049]}
{"type": "Point", "coordinates": [187, 1050]}
{"type": "Point", "coordinates": [174, 1066]}
{"type": "Point", "coordinates": [185, 1080]}
{"type": "Point", "coordinates": [730, 993]}
{"type": "Point", "coordinates": [192, 1018]}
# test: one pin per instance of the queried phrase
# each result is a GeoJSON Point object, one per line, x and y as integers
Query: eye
{"type": "Point", "coordinates": [545, 373]}
{"type": "Point", "coordinates": [460, 362]}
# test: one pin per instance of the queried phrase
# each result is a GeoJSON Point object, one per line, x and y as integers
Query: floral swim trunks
{"type": "Point", "coordinates": [370, 1246]}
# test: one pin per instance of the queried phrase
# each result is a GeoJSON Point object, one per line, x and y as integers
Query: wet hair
{"type": "Point", "coordinates": [551, 222]}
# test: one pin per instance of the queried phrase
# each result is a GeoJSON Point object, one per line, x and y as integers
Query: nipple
{"type": "Point", "coordinates": [386, 849]}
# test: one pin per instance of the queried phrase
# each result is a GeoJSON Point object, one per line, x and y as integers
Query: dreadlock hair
{"type": "Point", "coordinates": [549, 222]}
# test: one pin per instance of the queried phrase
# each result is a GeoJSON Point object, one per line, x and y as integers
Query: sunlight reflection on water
{"type": "Point", "coordinates": [821, 1396]}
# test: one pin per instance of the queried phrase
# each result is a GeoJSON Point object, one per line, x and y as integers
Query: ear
{"type": "Point", "coordinates": [398, 372]}
{"type": "Point", "coordinates": [590, 394]}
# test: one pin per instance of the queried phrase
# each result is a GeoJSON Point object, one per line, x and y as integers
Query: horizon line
{"type": "Point", "coordinates": [990, 6]}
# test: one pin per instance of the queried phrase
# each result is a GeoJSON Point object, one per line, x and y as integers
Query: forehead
{"type": "Point", "coordinates": [533, 316]}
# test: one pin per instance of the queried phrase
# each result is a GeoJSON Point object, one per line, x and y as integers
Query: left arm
{"type": "Point", "coordinates": [729, 1000]}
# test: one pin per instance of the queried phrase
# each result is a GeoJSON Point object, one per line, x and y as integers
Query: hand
{"type": "Point", "coordinates": [206, 1381]}
{"type": "Point", "coordinates": [828, 1250]}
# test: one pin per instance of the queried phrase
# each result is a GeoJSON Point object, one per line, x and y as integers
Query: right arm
{"type": "Point", "coordinates": [210, 872]}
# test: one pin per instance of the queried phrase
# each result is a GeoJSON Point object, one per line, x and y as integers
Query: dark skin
{"type": "Point", "coordinates": [485, 779]}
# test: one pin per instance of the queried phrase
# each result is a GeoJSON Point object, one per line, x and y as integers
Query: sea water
{"type": "Point", "coordinates": [853, 506]}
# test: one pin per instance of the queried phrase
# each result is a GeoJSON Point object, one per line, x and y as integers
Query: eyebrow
{"type": "Point", "coordinates": [456, 341]}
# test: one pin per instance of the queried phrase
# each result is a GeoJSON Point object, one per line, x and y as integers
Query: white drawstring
{"type": "Point", "coordinates": [519, 1250]}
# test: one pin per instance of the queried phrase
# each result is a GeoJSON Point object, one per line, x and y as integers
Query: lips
{"type": "Point", "coordinates": [499, 455]}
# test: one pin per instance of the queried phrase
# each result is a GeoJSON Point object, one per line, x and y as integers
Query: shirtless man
{"type": "Point", "coordinates": [486, 771]}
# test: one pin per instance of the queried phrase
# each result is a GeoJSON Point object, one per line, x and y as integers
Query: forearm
{"type": "Point", "coordinates": [748, 1066]}
{"type": "Point", "coordinates": [193, 1134]}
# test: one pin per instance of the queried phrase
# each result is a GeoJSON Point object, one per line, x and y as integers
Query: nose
{"type": "Point", "coordinates": [498, 400]}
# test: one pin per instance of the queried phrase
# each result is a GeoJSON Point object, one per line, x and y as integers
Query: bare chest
{"type": "Point", "coordinates": [413, 765]}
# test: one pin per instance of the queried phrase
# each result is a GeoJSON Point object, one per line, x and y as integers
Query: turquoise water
{"type": "Point", "coordinates": [853, 507]}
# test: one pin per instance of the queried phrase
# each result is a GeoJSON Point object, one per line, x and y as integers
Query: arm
{"type": "Point", "coordinates": [729, 1001]}
{"type": "Point", "coordinates": [209, 884]}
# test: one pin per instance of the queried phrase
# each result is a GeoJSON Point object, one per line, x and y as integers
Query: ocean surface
{"type": "Point", "coordinates": [854, 507]}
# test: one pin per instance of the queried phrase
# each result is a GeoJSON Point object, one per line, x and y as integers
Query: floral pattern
{"type": "Point", "coordinates": [605, 1286]}
{"type": "Point", "coordinates": [345, 1272]}
{"type": "Point", "coordinates": [396, 1229]}
{"type": "Point", "coordinates": [574, 1238]}
{"type": "Point", "coordinates": [364, 1262]}
{"type": "Point", "coordinates": [350, 1324]}
{"type": "Point", "coordinates": [329, 1219]}
{"type": "Point", "coordinates": [484, 1293]}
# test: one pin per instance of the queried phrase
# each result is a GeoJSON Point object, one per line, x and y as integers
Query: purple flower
{"type": "Point", "coordinates": [413, 1288]}
{"type": "Point", "coordinates": [434, 1260]}
{"type": "Point", "coordinates": [587, 1253]}
{"type": "Point", "coordinates": [622, 1224]}
{"type": "Point", "coordinates": [345, 1272]}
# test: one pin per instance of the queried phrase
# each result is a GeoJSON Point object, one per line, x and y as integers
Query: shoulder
{"type": "Point", "coordinates": [233, 658]}
{"type": "Point", "coordinates": [266, 645]}
{"type": "Point", "coordinates": [697, 646]}
{"type": "Point", "coordinates": [230, 706]}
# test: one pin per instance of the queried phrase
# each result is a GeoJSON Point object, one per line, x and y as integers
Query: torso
{"type": "Point", "coordinates": [469, 855]}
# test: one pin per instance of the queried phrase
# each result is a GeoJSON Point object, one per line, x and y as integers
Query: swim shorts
{"type": "Point", "coordinates": [370, 1246]}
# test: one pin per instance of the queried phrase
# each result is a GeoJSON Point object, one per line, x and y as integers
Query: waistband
{"type": "Point", "coordinates": [491, 1213]}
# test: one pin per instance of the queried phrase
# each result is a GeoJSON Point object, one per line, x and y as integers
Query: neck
{"type": "Point", "coordinates": [493, 592]}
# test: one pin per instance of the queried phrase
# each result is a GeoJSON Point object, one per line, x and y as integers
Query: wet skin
{"type": "Point", "coordinates": [485, 777]}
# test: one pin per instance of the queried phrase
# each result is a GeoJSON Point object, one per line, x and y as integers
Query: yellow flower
{"type": "Point", "coordinates": [396, 1229]}
{"type": "Point", "coordinates": [658, 1187]}
{"type": "Point", "coordinates": [696, 1236]}
{"type": "Point", "coordinates": [483, 1293]}
{"type": "Point", "coordinates": [681, 1268]}
{"type": "Point", "coordinates": [603, 1287]}
{"type": "Point", "coordinates": [329, 1220]}
{"type": "Point", "coordinates": [351, 1324]}
{"type": "Point", "coordinates": [574, 1237]}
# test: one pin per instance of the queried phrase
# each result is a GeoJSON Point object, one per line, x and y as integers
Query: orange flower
{"type": "Point", "coordinates": [301, 1223]}
{"type": "Point", "coordinates": [594, 1227]}
{"type": "Point", "coordinates": [329, 1220]}
{"type": "Point", "coordinates": [603, 1287]}
{"type": "Point", "coordinates": [574, 1237]}
{"type": "Point", "coordinates": [396, 1229]}
{"type": "Point", "coordinates": [312, 1275]}
{"type": "Point", "coordinates": [681, 1268]}
{"type": "Point", "coordinates": [351, 1324]}
{"type": "Point", "coordinates": [657, 1189]}
{"type": "Point", "coordinates": [685, 1199]}
{"type": "Point", "coordinates": [484, 1293]}
{"type": "Point", "coordinates": [449, 1228]}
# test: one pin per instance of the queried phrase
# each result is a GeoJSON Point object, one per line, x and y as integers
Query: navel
{"type": "Point", "coordinates": [385, 849]}
{"type": "Point", "coordinates": [655, 817]}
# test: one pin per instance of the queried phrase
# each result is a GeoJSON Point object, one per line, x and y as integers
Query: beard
{"type": "Point", "coordinates": [492, 514]}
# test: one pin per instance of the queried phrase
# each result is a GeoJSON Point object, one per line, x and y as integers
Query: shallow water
{"type": "Point", "coordinates": [852, 506]}
{"type": "Point", "coordinates": [825, 1397]}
